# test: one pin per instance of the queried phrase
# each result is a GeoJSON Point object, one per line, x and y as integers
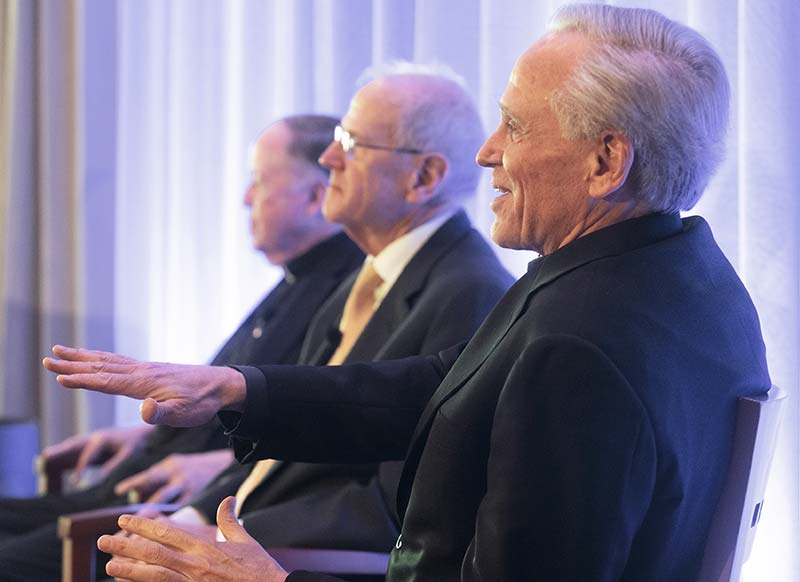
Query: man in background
{"type": "Point", "coordinates": [285, 197]}
{"type": "Point", "coordinates": [401, 167]}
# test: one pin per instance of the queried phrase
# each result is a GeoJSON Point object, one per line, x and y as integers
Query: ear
{"type": "Point", "coordinates": [431, 170]}
{"type": "Point", "coordinates": [612, 162]}
{"type": "Point", "coordinates": [316, 198]}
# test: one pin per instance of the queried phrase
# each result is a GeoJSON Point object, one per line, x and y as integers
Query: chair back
{"type": "Point", "coordinates": [738, 512]}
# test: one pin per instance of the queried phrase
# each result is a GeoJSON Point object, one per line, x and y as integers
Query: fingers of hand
{"type": "Point", "coordinates": [147, 480]}
{"type": "Point", "coordinates": [66, 447]}
{"type": "Point", "coordinates": [136, 571]}
{"type": "Point", "coordinates": [95, 448]}
{"type": "Point", "coordinates": [88, 367]}
{"type": "Point", "coordinates": [116, 459]}
{"type": "Point", "coordinates": [145, 550]}
{"type": "Point", "coordinates": [84, 355]}
{"type": "Point", "coordinates": [100, 382]}
{"type": "Point", "coordinates": [160, 531]}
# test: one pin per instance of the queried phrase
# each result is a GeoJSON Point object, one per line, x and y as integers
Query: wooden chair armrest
{"type": "Point", "coordinates": [50, 471]}
{"type": "Point", "coordinates": [79, 533]}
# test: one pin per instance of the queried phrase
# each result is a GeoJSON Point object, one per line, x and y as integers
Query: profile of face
{"type": "Point", "coordinates": [284, 196]}
{"type": "Point", "coordinates": [541, 177]}
{"type": "Point", "coordinates": [368, 187]}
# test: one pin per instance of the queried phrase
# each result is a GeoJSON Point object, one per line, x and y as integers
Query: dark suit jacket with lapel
{"type": "Point", "coordinates": [440, 298]}
{"type": "Point", "coordinates": [583, 433]}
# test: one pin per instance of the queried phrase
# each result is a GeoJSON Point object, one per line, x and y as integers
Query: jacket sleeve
{"type": "Point", "coordinates": [355, 413]}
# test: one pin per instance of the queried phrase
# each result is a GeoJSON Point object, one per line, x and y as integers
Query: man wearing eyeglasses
{"type": "Point", "coordinates": [401, 164]}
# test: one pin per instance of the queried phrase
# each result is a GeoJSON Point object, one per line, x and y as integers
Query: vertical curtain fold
{"type": "Point", "coordinates": [45, 291]}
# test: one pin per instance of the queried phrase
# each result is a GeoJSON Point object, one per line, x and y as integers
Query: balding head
{"type": "Point", "coordinates": [436, 114]}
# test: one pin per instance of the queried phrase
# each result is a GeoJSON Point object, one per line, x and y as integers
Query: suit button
{"type": "Point", "coordinates": [399, 543]}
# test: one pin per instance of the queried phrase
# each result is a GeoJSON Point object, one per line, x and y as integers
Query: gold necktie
{"type": "Point", "coordinates": [358, 310]}
{"type": "Point", "coordinates": [257, 474]}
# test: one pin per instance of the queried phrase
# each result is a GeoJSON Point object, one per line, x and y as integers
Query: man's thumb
{"type": "Point", "coordinates": [152, 412]}
{"type": "Point", "coordinates": [227, 523]}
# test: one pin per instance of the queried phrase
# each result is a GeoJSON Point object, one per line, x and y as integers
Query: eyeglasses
{"type": "Point", "coordinates": [349, 143]}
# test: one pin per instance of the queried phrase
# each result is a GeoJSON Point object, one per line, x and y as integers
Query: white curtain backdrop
{"type": "Point", "coordinates": [174, 91]}
{"type": "Point", "coordinates": [57, 157]}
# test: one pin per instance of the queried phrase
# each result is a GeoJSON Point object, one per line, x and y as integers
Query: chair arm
{"type": "Point", "coordinates": [79, 533]}
{"type": "Point", "coordinates": [50, 471]}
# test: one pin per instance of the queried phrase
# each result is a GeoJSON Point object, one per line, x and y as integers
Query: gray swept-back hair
{"type": "Point", "coordinates": [311, 134]}
{"type": "Point", "coordinates": [658, 82]}
{"type": "Point", "coordinates": [440, 118]}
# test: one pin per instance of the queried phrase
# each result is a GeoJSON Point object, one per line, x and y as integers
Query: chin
{"type": "Point", "coordinates": [330, 211]}
{"type": "Point", "coordinates": [500, 236]}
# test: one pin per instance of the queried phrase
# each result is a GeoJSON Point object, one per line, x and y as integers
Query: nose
{"type": "Point", "coordinates": [491, 152]}
{"type": "Point", "coordinates": [333, 157]}
{"type": "Point", "coordinates": [248, 195]}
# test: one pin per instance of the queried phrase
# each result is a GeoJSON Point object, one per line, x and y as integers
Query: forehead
{"type": "Point", "coordinates": [544, 67]}
{"type": "Point", "coordinates": [272, 147]}
{"type": "Point", "coordinates": [374, 111]}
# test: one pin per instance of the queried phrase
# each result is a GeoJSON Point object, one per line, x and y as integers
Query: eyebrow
{"type": "Point", "coordinates": [506, 111]}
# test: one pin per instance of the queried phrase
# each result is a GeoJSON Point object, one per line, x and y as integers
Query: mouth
{"type": "Point", "coordinates": [502, 192]}
{"type": "Point", "coordinates": [499, 188]}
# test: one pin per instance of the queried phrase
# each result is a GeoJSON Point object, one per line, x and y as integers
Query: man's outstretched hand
{"type": "Point", "coordinates": [173, 394]}
{"type": "Point", "coordinates": [160, 551]}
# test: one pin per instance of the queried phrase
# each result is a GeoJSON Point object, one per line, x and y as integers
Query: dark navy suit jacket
{"type": "Point", "coordinates": [582, 434]}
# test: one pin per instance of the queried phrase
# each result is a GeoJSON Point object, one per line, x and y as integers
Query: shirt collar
{"type": "Point", "coordinates": [391, 261]}
{"type": "Point", "coordinates": [316, 258]}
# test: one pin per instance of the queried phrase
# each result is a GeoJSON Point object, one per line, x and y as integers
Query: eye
{"type": "Point", "coordinates": [513, 129]}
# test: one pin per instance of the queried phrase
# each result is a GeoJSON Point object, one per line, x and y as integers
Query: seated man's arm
{"type": "Point", "coordinates": [355, 413]}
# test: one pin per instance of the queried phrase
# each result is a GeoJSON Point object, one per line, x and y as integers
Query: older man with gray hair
{"type": "Point", "coordinates": [401, 165]}
{"type": "Point", "coordinates": [585, 430]}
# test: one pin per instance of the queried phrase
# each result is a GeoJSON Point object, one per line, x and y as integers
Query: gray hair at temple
{"type": "Point", "coordinates": [658, 82]}
{"type": "Point", "coordinates": [442, 118]}
{"type": "Point", "coordinates": [311, 134]}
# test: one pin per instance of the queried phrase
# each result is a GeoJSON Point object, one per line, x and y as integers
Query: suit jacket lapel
{"type": "Point", "coordinates": [397, 304]}
{"type": "Point", "coordinates": [392, 311]}
{"type": "Point", "coordinates": [542, 271]}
